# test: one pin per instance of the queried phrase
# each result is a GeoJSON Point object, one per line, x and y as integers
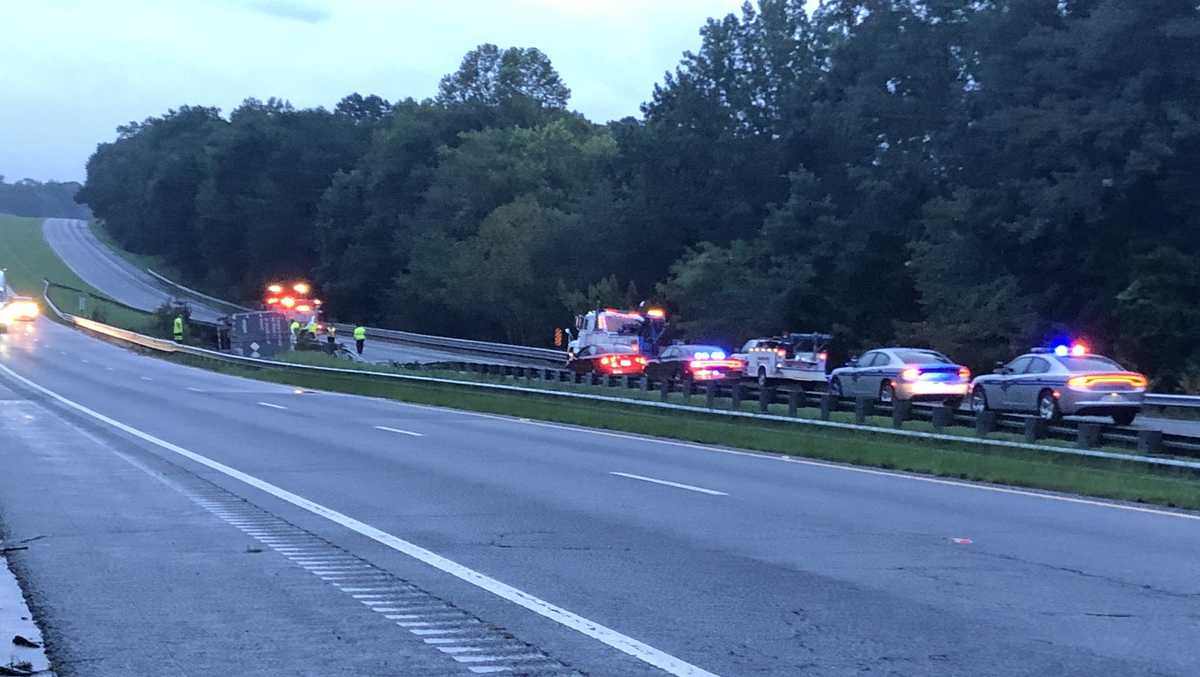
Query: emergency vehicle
{"type": "Point", "coordinates": [612, 341]}
{"type": "Point", "coordinates": [294, 301]}
{"type": "Point", "coordinates": [792, 357]}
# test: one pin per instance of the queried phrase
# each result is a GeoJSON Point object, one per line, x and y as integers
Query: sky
{"type": "Point", "coordinates": [71, 71]}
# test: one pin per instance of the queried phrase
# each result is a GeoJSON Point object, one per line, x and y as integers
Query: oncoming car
{"type": "Point", "coordinates": [902, 374]}
{"type": "Point", "coordinates": [18, 309]}
{"type": "Point", "coordinates": [694, 363]}
{"type": "Point", "coordinates": [1062, 382]}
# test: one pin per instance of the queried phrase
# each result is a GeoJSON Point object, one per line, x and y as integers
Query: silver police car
{"type": "Point", "coordinates": [889, 374]}
{"type": "Point", "coordinates": [1062, 382]}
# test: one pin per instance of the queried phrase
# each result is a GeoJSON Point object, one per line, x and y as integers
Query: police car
{"type": "Point", "coordinates": [1068, 380]}
{"type": "Point", "coordinates": [889, 374]}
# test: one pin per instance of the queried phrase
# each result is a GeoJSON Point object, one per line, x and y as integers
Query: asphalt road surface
{"type": "Point", "coordinates": [191, 523]}
{"type": "Point", "coordinates": [105, 270]}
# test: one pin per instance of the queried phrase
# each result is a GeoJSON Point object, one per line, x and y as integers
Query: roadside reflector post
{"type": "Point", "coordinates": [665, 389]}
{"type": "Point", "coordinates": [1035, 429]}
{"type": "Point", "coordinates": [576, 378]}
{"type": "Point", "coordinates": [765, 395]}
{"type": "Point", "coordinates": [942, 417]}
{"type": "Point", "coordinates": [863, 407]}
{"type": "Point", "coordinates": [735, 394]}
{"type": "Point", "coordinates": [710, 395]}
{"type": "Point", "coordinates": [1150, 441]}
{"type": "Point", "coordinates": [1088, 436]}
{"type": "Point", "coordinates": [793, 402]}
{"type": "Point", "coordinates": [901, 412]}
{"type": "Point", "coordinates": [828, 405]}
{"type": "Point", "coordinates": [985, 423]}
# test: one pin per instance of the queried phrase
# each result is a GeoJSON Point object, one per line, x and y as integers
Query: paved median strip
{"type": "Point", "coordinates": [668, 483]}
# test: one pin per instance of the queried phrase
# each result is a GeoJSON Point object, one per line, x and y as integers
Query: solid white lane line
{"type": "Point", "coordinates": [623, 643]}
{"type": "Point", "coordinates": [397, 430]}
{"type": "Point", "coordinates": [668, 483]}
{"type": "Point", "coordinates": [272, 406]}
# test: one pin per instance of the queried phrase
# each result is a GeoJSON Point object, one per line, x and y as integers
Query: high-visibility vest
{"type": "Point", "coordinates": [179, 326]}
{"type": "Point", "coordinates": [312, 327]}
{"type": "Point", "coordinates": [360, 333]}
{"type": "Point", "coordinates": [295, 326]}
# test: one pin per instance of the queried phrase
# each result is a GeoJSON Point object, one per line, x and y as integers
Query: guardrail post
{"type": "Point", "coordinates": [665, 389]}
{"type": "Point", "coordinates": [626, 382]}
{"type": "Point", "coordinates": [863, 407]}
{"type": "Point", "coordinates": [829, 404]}
{"type": "Point", "coordinates": [1088, 435]}
{"type": "Point", "coordinates": [508, 371]}
{"type": "Point", "coordinates": [765, 395]}
{"type": "Point", "coordinates": [644, 384]}
{"type": "Point", "coordinates": [1150, 441]}
{"type": "Point", "coordinates": [735, 394]}
{"type": "Point", "coordinates": [686, 387]}
{"type": "Point", "coordinates": [519, 372]}
{"type": "Point", "coordinates": [901, 412]}
{"type": "Point", "coordinates": [942, 417]}
{"type": "Point", "coordinates": [1035, 429]}
{"type": "Point", "coordinates": [793, 402]}
{"type": "Point", "coordinates": [710, 394]}
{"type": "Point", "coordinates": [593, 379]}
{"type": "Point", "coordinates": [985, 422]}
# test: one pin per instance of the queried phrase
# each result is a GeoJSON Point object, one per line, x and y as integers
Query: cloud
{"type": "Point", "coordinates": [295, 10]}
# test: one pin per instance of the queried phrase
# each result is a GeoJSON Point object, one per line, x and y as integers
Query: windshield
{"type": "Point", "coordinates": [1090, 363]}
{"type": "Point", "coordinates": [621, 323]}
{"type": "Point", "coordinates": [922, 357]}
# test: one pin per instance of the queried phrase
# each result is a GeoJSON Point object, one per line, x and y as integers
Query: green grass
{"type": "Point", "coordinates": [1094, 477]}
{"type": "Point", "coordinates": [29, 260]}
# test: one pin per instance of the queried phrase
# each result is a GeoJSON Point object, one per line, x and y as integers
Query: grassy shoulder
{"type": "Point", "coordinates": [1093, 477]}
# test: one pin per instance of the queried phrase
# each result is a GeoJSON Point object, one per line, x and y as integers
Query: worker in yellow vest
{"type": "Point", "coordinates": [360, 338]}
{"type": "Point", "coordinates": [177, 329]}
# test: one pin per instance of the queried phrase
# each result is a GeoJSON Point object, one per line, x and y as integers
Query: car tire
{"type": "Point", "coordinates": [979, 401]}
{"type": "Point", "coordinates": [1124, 417]}
{"type": "Point", "coordinates": [762, 377]}
{"type": "Point", "coordinates": [1047, 405]}
{"type": "Point", "coordinates": [887, 393]}
{"type": "Point", "coordinates": [835, 388]}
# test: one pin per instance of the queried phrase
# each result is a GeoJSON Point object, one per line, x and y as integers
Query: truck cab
{"type": "Point", "coordinates": [612, 341]}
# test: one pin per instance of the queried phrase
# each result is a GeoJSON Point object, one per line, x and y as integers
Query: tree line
{"type": "Point", "coordinates": [975, 176]}
{"type": "Point", "coordinates": [28, 197]}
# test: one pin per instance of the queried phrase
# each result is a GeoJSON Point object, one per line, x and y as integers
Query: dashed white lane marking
{"type": "Point", "coordinates": [272, 406]}
{"type": "Point", "coordinates": [764, 456]}
{"type": "Point", "coordinates": [145, 378]}
{"type": "Point", "coordinates": [621, 642]}
{"type": "Point", "coordinates": [668, 483]}
{"type": "Point", "coordinates": [399, 431]}
{"type": "Point", "coordinates": [195, 389]}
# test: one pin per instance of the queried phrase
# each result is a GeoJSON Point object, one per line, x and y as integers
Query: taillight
{"type": "Point", "coordinates": [781, 353]}
{"type": "Point", "coordinates": [964, 374]}
{"type": "Point", "coordinates": [1131, 380]}
{"type": "Point", "coordinates": [910, 374]}
{"type": "Point", "coordinates": [604, 360]}
{"type": "Point", "coordinates": [822, 356]}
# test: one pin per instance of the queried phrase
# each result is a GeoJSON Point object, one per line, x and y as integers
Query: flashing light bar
{"type": "Point", "coordinates": [275, 288]}
{"type": "Point", "coordinates": [656, 312]}
{"type": "Point", "coordinates": [1076, 349]}
{"type": "Point", "coordinates": [288, 302]}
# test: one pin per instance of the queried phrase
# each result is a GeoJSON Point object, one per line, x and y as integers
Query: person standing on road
{"type": "Point", "coordinates": [360, 338]}
{"type": "Point", "coordinates": [177, 329]}
{"type": "Point", "coordinates": [331, 338]}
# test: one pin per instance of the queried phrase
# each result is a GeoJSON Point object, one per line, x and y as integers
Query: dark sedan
{"type": "Point", "coordinates": [694, 363]}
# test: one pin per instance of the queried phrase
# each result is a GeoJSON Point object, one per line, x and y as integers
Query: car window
{"type": "Point", "coordinates": [670, 353]}
{"type": "Point", "coordinates": [1037, 365]}
{"type": "Point", "coordinates": [867, 359]}
{"type": "Point", "coordinates": [1019, 365]}
{"type": "Point", "coordinates": [1089, 363]}
{"type": "Point", "coordinates": [749, 344]}
{"type": "Point", "coordinates": [922, 357]}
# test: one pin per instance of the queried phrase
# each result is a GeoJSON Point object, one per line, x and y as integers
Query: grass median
{"type": "Point", "coordinates": [1094, 477]}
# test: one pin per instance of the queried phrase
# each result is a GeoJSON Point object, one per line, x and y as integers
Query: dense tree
{"type": "Point", "coordinates": [34, 198]}
{"type": "Point", "coordinates": [973, 176]}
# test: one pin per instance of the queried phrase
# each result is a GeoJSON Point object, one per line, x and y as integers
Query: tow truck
{"type": "Point", "coordinates": [796, 357]}
{"type": "Point", "coordinates": [612, 341]}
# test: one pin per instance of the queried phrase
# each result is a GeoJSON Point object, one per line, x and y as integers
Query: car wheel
{"type": "Point", "coordinates": [762, 377]}
{"type": "Point", "coordinates": [1048, 406]}
{"type": "Point", "coordinates": [835, 387]}
{"type": "Point", "coordinates": [1124, 417]}
{"type": "Point", "coordinates": [887, 393]}
{"type": "Point", "coordinates": [979, 400]}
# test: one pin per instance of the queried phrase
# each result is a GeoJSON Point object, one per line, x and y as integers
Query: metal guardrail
{"type": "Point", "coordinates": [199, 294]}
{"type": "Point", "coordinates": [166, 346]}
{"type": "Point", "coordinates": [1170, 401]}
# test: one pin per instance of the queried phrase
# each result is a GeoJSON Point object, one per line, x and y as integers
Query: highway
{"type": "Point", "coordinates": [116, 277]}
{"type": "Point", "coordinates": [183, 522]}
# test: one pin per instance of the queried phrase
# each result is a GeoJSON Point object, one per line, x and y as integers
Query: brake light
{"type": "Point", "coordinates": [709, 364]}
{"type": "Point", "coordinates": [781, 352]}
{"type": "Point", "coordinates": [910, 374]}
{"type": "Point", "coordinates": [604, 360]}
{"type": "Point", "coordinates": [964, 374]}
{"type": "Point", "coordinates": [288, 302]}
{"type": "Point", "coordinates": [272, 301]}
{"type": "Point", "coordinates": [275, 288]}
{"type": "Point", "coordinates": [304, 308]}
{"type": "Point", "coordinates": [822, 356]}
{"type": "Point", "coordinates": [1131, 380]}
{"type": "Point", "coordinates": [656, 312]}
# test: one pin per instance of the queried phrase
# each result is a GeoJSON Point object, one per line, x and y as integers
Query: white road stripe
{"type": "Point", "coordinates": [397, 430]}
{"type": "Point", "coordinates": [195, 390]}
{"type": "Point", "coordinates": [272, 406]}
{"type": "Point", "coordinates": [668, 483]}
{"type": "Point", "coordinates": [628, 645]}
{"type": "Point", "coordinates": [145, 378]}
